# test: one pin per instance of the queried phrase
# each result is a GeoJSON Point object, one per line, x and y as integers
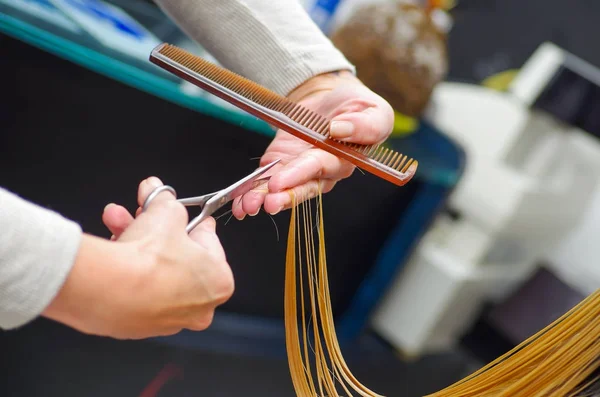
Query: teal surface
{"type": "Point", "coordinates": [82, 49]}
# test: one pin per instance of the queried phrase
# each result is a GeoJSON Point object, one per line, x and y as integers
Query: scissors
{"type": "Point", "coordinates": [212, 202]}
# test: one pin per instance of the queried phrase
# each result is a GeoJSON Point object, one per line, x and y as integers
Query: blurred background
{"type": "Point", "coordinates": [495, 237]}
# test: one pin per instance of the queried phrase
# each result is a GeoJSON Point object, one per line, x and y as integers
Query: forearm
{"type": "Point", "coordinates": [274, 43]}
{"type": "Point", "coordinates": [37, 251]}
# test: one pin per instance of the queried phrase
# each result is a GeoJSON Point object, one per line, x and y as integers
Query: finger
{"type": "Point", "coordinates": [236, 209]}
{"type": "Point", "coordinates": [250, 203]}
{"type": "Point", "coordinates": [276, 202]}
{"type": "Point", "coordinates": [147, 186]}
{"type": "Point", "coordinates": [116, 218]}
{"type": "Point", "coordinates": [253, 200]}
{"type": "Point", "coordinates": [370, 126]}
{"type": "Point", "coordinates": [311, 164]}
{"type": "Point", "coordinates": [164, 207]}
{"type": "Point", "coordinates": [205, 234]}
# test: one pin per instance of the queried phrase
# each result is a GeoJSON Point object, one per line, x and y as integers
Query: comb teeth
{"type": "Point", "coordinates": [224, 77]}
{"type": "Point", "coordinates": [379, 160]}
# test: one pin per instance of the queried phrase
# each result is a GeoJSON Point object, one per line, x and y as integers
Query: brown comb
{"type": "Point", "coordinates": [282, 113]}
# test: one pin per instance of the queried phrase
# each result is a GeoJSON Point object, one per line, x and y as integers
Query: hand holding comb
{"type": "Point", "coordinates": [282, 113]}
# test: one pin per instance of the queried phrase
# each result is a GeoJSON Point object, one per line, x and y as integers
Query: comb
{"type": "Point", "coordinates": [280, 112]}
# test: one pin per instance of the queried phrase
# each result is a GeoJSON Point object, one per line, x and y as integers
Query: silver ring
{"type": "Point", "coordinates": [156, 192]}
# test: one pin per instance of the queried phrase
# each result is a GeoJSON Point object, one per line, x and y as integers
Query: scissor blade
{"type": "Point", "coordinates": [224, 196]}
{"type": "Point", "coordinates": [246, 184]}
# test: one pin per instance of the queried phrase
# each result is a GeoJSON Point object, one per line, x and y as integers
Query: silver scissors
{"type": "Point", "coordinates": [212, 202]}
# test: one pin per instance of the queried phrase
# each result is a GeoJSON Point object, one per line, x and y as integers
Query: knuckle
{"type": "Point", "coordinates": [317, 159]}
{"type": "Point", "coordinates": [169, 331]}
{"type": "Point", "coordinates": [203, 321]}
{"type": "Point", "coordinates": [179, 211]}
{"type": "Point", "coordinates": [174, 208]}
{"type": "Point", "coordinates": [224, 284]}
{"type": "Point", "coordinates": [311, 190]}
{"type": "Point", "coordinates": [328, 187]}
{"type": "Point", "coordinates": [347, 171]}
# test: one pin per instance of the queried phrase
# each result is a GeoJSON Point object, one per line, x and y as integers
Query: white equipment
{"type": "Point", "coordinates": [529, 176]}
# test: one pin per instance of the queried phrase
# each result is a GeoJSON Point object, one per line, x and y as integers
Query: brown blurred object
{"type": "Point", "coordinates": [398, 51]}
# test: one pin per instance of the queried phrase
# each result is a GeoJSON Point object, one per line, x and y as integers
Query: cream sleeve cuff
{"type": "Point", "coordinates": [38, 248]}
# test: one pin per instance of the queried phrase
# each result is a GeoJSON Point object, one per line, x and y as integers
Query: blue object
{"type": "Point", "coordinates": [101, 11]}
{"type": "Point", "coordinates": [44, 3]}
{"type": "Point", "coordinates": [322, 12]}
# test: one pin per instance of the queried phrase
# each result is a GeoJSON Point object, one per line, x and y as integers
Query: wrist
{"type": "Point", "coordinates": [95, 280]}
{"type": "Point", "coordinates": [322, 82]}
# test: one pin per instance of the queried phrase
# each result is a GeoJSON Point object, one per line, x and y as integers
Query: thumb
{"type": "Point", "coordinates": [370, 126]}
{"type": "Point", "coordinates": [117, 219]}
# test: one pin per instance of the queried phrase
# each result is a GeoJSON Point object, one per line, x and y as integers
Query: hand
{"type": "Point", "coordinates": [154, 279]}
{"type": "Point", "coordinates": [358, 115]}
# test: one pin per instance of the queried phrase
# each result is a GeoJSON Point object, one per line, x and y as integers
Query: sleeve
{"type": "Point", "coordinates": [275, 43]}
{"type": "Point", "coordinates": [38, 248]}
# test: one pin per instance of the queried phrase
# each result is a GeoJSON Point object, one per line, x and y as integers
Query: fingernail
{"type": "Point", "coordinates": [242, 218]}
{"type": "Point", "coordinates": [256, 213]}
{"type": "Point", "coordinates": [154, 181]}
{"type": "Point", "coordinates": [341, 129]}
{"type": "Point", "coordinates": [108, 206]}
{"type": "Point", "coordinates": [277, 211]}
